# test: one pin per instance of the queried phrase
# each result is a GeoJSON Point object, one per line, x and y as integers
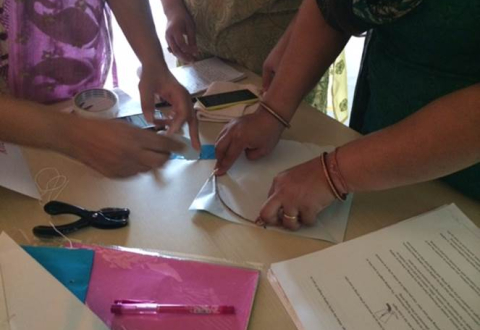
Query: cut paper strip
{"type": "Point", "coordinates": [34, 298]}
{"type": "Point", "coordinates": [72, 267]}
{"type": "Point", "coordinates": [123, 274]}
{"type": "Point", "coordinates": [245, 188]}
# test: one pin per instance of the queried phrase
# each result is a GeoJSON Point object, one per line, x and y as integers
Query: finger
{"type": "Point", "coordinates": [162, 123]}
{"type": "Point", "coordinates": [269, 211]}
{"type": "Point", "coordinates": [192, 39]}
{"type": "Point", "coordinates": [308, 216]}
{"type": "Point", "coordinates": [177, 122]}
{"type": "Point", "coordinates": [175, 49]}
{"type": "Point", "coordinates": [221, 147]}
{"type": "Point", "coordinates": [160, 143]}
{"type": "Point", "coordinates": [147, 101]}
{"type": "Point", "coordinates": [182, 47]}
{"type": "Point", "coordinates": [222, 135]}
{"type": "Point", "coordinates": [290, 217]}
{"type": "Point", "coordinates": [253, 154]}
{"type": "Point", "coordinates": [234, 150]}
{"type": "Point", "coordinates": [152, 160]}
{"type": "Point", "coordinates": [193, 131]}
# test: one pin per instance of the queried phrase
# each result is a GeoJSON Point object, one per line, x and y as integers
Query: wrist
{"type": "Point", "coordinates": [335, 180]}
{"type": "Point", "coordinates": [274, 114]}
{"type": "Point", "coordinates": [268, 120]}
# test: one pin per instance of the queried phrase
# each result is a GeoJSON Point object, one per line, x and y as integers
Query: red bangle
{"type": "Point", "coordinates": [337, 177]}
{"type": "Point", "coordinates": [336, 193]}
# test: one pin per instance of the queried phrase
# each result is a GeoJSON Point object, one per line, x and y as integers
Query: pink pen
{"type": "Point", "coordinates": [130, 307]}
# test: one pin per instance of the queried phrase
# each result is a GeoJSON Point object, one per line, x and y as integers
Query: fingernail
{"type": "Point", "coordinates": [259, 222]}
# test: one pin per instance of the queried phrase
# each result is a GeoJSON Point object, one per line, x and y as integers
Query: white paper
{"type": "Point", "coordinates": [196, 77]}
{"type": "Point", "coordinates": [419, 274]}
{"type": "Point", "coordinates": [245, 188]}
{"type": "Point", "coordinates": [14, 172]}
{"type": "Point", "coordinates": [35, 299]}
{"type": "Point", "coordinates": [126, 105]}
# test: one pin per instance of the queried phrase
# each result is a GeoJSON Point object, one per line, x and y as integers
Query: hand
{"type": "Point", "coordinates": [297, 196]}
{"type": "Point", "coordinates": [114, 148]}
{"type": "Point", "coordinates": [257, 134]}
{"type": "Point", "coordinates": [181, 24]}
{"type": "Point", "coordinates": [157, 79]}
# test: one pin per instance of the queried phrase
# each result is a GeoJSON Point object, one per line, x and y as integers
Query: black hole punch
{"type": "Point", "coordinates": [107, 218]}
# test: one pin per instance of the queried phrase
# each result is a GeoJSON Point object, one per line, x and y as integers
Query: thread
{"type": "Point", "coordinates": [60, 233]}
{"type": "Point", "coordinates": [53, 187]}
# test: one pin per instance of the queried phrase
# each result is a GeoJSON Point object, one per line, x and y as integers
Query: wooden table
{"type": "Point", "coordinates": [160, 218]}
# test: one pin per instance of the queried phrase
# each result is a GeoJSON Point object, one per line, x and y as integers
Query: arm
{"type": "Point", "coordinates": [135, 19]}
{"type": "Point", "coordinates": [113, 148]}
{"type": "Point", "coordinates": [312, 47]}
{"type": "Point", "coordinates": [439, 139]}
{"type": "Point", "coordinates": [272, 62]}
{"type": "Point", "coordinates": [180, 24]}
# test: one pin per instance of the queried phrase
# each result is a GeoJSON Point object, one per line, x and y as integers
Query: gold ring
{"type": "Point", "coordinates": [290, 217]}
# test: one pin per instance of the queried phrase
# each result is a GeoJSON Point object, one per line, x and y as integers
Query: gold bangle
{"type": "Point", "coordinates": [274, 114]}
{"type": "Point", "coordinates": [334, 190]}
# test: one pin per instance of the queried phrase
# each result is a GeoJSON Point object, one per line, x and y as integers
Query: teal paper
{"type": "Point", "coordinates": [206, 152]}
{"type": "Point", "coordinates": [72, 267]}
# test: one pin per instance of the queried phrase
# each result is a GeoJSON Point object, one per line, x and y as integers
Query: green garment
{"type": "Point", "coordinates": [245, 31]}
{"type": "Point", "coordinates": [241, 31]}
{"type": "Point", "coordinates": [418, 52]}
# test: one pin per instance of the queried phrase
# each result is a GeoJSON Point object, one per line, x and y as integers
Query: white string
{"type": "Point", "coordinates": [53, 187]}
{"type": "Point", "coordinates": [60, 233]}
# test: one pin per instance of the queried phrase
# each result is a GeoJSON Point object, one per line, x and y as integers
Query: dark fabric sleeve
{"type": "Point", "coordinates": [339, 15]}
{"type": "Point", "coordinates": [357, 16]}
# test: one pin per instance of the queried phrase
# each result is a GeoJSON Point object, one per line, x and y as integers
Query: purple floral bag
{"type": "Point", "coordinates": [57, 47]}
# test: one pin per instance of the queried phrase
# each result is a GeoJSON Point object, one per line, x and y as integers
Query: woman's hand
{"type": "Point", "coordinates": [297, 196]}
{"type": "Point", "coordinates": [157, 79]}
{"type": "Point", "coordinates": [257, 134]}
{"type": "Point", "coordinates": [113, 148]}
{"type": "Point", "coordinates": [180, 25]}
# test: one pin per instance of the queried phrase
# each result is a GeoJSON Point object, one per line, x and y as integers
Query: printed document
{"type": "Point", "coordinates": [420, 274]}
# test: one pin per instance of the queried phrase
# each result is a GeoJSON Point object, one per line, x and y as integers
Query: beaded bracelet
{"type": "Point", "coordinates": [338, 195]}
{"type": "Point", "coordinates": [275, 114]}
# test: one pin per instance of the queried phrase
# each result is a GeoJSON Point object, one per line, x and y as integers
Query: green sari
{"type": "Point", "coordinates": [417, 52]}
{"type": "Point", "coordinates": [245, 31]}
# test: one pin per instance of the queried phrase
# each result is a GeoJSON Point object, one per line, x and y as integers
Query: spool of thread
{"type": "Point", "coordinates": [96, 103]}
